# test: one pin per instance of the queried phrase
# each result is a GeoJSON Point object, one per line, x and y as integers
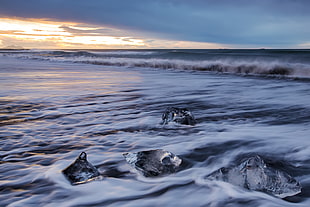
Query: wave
{"type": "Point", "coordinates": [125, 52]}
{"type": "Point", "coordinates": [161, 60]}
{"type": "Point", "coordinates": [274, 68]}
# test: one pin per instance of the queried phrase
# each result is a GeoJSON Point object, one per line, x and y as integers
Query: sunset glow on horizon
{"type": "Point", "coordinates": [43, 33]}
{"type": "Point", "coordinates": [29, 33]}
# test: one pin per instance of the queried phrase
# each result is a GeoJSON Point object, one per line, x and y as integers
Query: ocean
{"type": "Point", "coordinates": [55, 104]}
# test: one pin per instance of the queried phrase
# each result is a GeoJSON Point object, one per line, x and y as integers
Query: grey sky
{"type": "Point", "coordinates": [260, 23]}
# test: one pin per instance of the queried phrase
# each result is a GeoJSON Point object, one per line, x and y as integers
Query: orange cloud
{"type": "Point", "coordinates": [70, 36]}
{"type": "Point", "coordinates": [50, 34]}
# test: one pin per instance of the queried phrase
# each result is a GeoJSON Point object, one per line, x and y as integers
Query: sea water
{"type": "Point", "coordinates": [56, 104]}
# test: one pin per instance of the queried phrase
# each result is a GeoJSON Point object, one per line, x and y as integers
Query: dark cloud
{"type": "Point", "coordinates": [274, 23]}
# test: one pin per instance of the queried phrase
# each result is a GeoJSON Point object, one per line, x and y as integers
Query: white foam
{"type": "Point", "coordinates": [274, 67]}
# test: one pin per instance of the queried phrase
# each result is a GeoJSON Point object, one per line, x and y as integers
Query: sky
{"type": "Point", "coordinates": [148, 24]}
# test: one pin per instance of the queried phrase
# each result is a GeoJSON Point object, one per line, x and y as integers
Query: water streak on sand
{"type": "Point", "coordinates": [53, 106]}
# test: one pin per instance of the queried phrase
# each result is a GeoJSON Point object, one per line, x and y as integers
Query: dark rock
{"type": "Point", "coordinates": [154, 162]}
{"type": "Point", "coordinates": [81, 171]}
{"type": "Point", "coordinates": [178, 115]}
{"type": "Point", "coordinates": [254, 174]}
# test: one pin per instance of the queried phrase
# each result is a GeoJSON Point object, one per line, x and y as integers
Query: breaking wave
{"type": "Point", "coordinates": [223, 66]}
{"type": "Point", "coordinates": [290, 64]}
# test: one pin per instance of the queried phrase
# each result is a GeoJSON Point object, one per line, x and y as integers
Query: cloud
{"type": "Point", "coordinates": [7, 42]}
{"type": "Point", "coordinates": [274, 23]}
{"type": "Point", "coordinates": [61, 35]}
{"type": "Point", "coordinates": [305, 45]}
{"type": "Point", "coordinates": [80, 31]}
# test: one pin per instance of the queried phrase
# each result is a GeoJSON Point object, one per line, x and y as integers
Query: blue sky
{"type": "Point", "coordinates": [217, 23]}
